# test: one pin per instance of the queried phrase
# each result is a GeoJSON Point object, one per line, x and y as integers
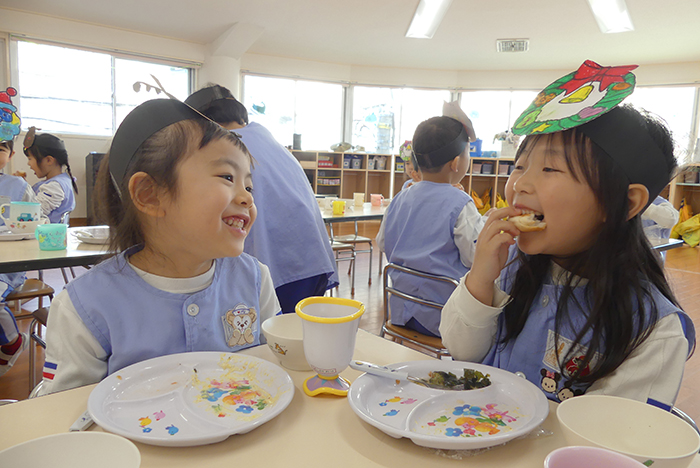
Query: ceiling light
{"type": "Point", "coordinates": [612, 15]}
{"type": "Point", "coordinates": [427, 18]}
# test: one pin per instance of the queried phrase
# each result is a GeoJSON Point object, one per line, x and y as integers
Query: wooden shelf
{"type": "Point", "coordinates": [362, 176]}
{"type": "Point", "coordinates": [680, 189]}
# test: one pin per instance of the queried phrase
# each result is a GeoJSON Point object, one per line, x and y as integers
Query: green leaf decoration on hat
{"type": "Point", "coordinates": [576, 98]}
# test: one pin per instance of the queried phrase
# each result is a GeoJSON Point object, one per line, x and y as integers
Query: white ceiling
{"type": "Point", "coordinates": [562, 33]}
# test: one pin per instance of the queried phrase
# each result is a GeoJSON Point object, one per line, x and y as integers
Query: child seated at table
{"type": "Point", "coordinates": [176, 190]}
{"type": "Point", "coordinates": [658, 220]}
{"type": "Point", "coordinates": [432, 227]}
{"type": "Point", "coordinates": [46, 156]}
{"type": "Point", "coordinates": [574, 298]}
{"type": "Point", "coordinates": [12, 188]}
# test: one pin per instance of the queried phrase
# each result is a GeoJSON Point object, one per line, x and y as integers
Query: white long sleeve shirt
{"type": "Point", "coordinates": [653, 371]}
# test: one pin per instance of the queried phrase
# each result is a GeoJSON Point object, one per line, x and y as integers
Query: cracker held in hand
{"type": "Point", "coordinates": [529, 222]}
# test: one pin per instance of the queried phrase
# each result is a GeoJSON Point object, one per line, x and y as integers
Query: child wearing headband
{"type": "Point", "coordinates": [580, 305]}
{"type": "Point", "coordinates": [289, 235]}
{"type": "Point", "coordinates": [176, 190]}
{"type": "Point", "coordinates": [46, 156]}
{"type": "Point", "coordinates": [433, 226]}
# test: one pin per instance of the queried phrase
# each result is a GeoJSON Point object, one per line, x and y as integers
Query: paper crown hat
{"type": "Point", "coordinates": [587, 99]}
{"type": "Point", "coordinates": [138, 126]}
{"type": "Point", "coordinates": [205, 96]}
{"type": "Point", "coordinates": [10, 123]}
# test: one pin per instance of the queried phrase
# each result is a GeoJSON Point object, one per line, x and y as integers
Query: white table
{"type": "Point", "coordinates": [25, 255]}
{"type": "Point", "coordinates": [311, 432]}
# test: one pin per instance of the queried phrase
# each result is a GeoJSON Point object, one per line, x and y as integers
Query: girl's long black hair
{"type": "Point", "coordinates": [621, 267]}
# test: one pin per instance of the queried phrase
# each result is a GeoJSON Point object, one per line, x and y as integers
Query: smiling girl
{"type": "Point", "coordinates": [583, 305]}
{"type": "Point", "coordinates": [176, 190]}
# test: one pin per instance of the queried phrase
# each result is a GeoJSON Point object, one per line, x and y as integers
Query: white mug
{"type": "Point", "coordinates": [20, 211]}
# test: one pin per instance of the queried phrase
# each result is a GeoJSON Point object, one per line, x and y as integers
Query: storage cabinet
{"type": "Point", "coordinates": [483, 174]}
{"type": "Point", "coordinates": [344, 174]}
{"type": "Point", "coordinates": [688, 186]}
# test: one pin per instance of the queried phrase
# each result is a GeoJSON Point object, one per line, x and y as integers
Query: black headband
{"type": "Point", "coordinates": [142, 123]}
{"type": "Point", "coordinates": [627, 142]}
{"type": "Point", "coordinates": [450, 151]}
{"type": "Point", "coordinates": [44, 142]}
{"type": "Point", "coordinates": [205, 96]}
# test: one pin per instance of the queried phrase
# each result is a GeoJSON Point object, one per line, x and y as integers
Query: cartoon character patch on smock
{"type": "Point", "coordinates": [9, 120]}
{"type": "Point", "coordinates": [238, 325]}
{"type": "Point", "coordinates": [567, 392]}
{"type": "Point", "coordinates": [576, 98]}
{"type": "Point", "coordinates": [549, 380]}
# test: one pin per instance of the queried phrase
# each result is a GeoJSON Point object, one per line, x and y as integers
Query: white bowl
{"type": "Point", "coordinates": [588, 457]}
{"type": "Point", "coordinates": [24, 227]}
{"type": "Point", "coordinates": [74, 450]}
{"type": "Point", "coordinates": [639, 430]}
{"type": "Point", "coordinates": [286, 340]}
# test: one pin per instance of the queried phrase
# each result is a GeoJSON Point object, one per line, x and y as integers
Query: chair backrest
{"type": "Point", "coordinates": [65, 218]}
{"type": "Point", "coordinates": [389, 289]}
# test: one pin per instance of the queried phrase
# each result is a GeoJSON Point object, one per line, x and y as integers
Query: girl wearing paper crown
{"type": "Point", "coordinates": [176, 191]}
{"type": "Point", "coordinates": [577, 289]}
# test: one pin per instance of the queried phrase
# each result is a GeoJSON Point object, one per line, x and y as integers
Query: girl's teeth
{"type": "Point", "coordinates": [235, 222]}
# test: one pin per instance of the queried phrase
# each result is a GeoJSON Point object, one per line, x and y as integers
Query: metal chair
{"type": "Point", "coordinates": [345, 252]}
{"type": "Point", "coordinates": [354, 239]}
{"type": "Point", "coordinates": [32, 288]}
{"type": "Point", "coordinates": [685, 418]}
{"type": "Point", "coordinates": [430, 344]}
{"type": "Point", "coordinates": [40, 317]}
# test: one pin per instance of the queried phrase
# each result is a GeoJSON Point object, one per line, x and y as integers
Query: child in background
{"type": "Point", "coordinates": [659, 219]}
{"type": "Point", "coordinates": [433, 226]}
{"type": "Point", "coordinates": [412, 171]}
{"type": "Point", "coordinates": [289, 235]}
{"type": "Point", "coordinates": [581, 306]}
{"type": "Point", "coordinates": [46, 155]}
{"type": "Point", "coordinates": [12, 188]}
{"type": "Point", "coordinates": [176, 190]}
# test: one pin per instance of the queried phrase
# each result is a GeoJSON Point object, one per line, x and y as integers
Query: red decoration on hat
{"type": "Point", "coordinates": [590, 72]}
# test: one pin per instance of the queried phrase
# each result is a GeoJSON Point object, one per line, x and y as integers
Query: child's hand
{"type": "Point", "coordinates": [20, 174]}
{"type": "Point", "coordinates": [491, 253]}
{"type": "Point", "coordinates": [459, 186]}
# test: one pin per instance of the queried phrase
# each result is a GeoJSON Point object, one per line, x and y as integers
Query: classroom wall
{"type": "Point", "coordinates": [219, 68]}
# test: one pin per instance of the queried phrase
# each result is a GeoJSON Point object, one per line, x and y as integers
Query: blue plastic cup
{"type": "Point", "coordinates": [51, 236]}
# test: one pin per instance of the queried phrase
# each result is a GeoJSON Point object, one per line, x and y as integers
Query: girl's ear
{"type": "Point", "coordinates": [145, 194]}
{"type": "Point", "coordinates": [638, 196]}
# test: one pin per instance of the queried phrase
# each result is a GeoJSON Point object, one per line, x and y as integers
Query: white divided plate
{"type": "Point", "coordinates": [448, 419]}
{"type": "Point", "coordinates": [93, 234]}
{"type": "Point", "coordinates": [8, 236]}
{"type": "Point", "coordinates": [191, 398]}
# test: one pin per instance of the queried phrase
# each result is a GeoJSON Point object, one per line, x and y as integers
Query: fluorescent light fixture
{"type": "Point", "coordinates": [612, 15]}
{"type": "Point", "coordinates": [427, 18]}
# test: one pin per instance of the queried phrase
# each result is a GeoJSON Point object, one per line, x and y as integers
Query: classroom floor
{"type": "Point", "coordinates": [682, 267]}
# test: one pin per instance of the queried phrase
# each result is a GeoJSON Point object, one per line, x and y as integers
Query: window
{"type": "Point", "coordinates": [493, 112]}
{"type": "Point", "coordinates": [94, 97]}
{"type": "Point", "coordinates": [311, 109]}
{"type": "Point", "coordinates": [383, 118]}
{"type": "Point", "coordinates": [675, 106]}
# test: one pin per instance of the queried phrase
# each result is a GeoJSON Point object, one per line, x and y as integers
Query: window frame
{"type": "Point", "coordinates": [114, 54]}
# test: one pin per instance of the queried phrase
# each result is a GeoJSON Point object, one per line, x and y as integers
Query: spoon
{"type": "Point", "coordinates": [382, 371]}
